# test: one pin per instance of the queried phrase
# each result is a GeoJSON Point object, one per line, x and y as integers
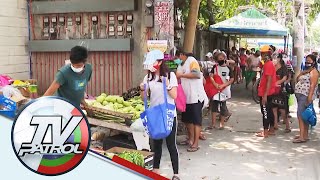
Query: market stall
{"type": "Point", "coordinates": [14, 94]}
{"type": "Point", "coordinates": [252, 23]}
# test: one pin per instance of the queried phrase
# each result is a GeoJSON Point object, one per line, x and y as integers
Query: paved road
{"type": "Point", "coordinates": [235, 153]}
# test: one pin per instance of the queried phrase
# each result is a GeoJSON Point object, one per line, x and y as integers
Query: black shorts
{"type": "Point", "coordinates": [223, 107]}
{"type": "Point", "coordinates": [285, 100]}
{"type": "Point", "coordinates": [193, 114]}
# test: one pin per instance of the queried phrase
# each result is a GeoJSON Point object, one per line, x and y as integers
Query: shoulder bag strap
{"type": "Point", "coordinates": [217, 73]}
{"type": "Point", "coordinates": [145, 97]}
{"type": "Point", "coordinates": [165, 94]}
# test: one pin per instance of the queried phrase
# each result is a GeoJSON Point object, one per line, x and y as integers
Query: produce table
{"type": "Point", "coordinates": [109, 125]}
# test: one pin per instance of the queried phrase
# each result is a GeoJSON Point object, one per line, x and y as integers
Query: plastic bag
{"type": "Point", "coordinates": [5, 80]}
{"type": "Point", "coordinates": [137, 126]}
{"type": "Point", "coordinates": [291, 100]}
{"type": "Point", "coordinates": [309, 115]}
{"type": "Point", "coordinates": [181, 99]}
{"type": "Point", "coordinates": [9, 91]}
{"type": "Point", "coordinates": [8, 107]}
{"type": "Point", "coordinates": [140, 136]}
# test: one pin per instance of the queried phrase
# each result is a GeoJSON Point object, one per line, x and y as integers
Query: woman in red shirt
{"type": "Point", "coordinates": [266, 91]}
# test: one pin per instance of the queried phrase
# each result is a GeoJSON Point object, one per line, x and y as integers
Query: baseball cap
{"type": "Point", "coordinates": [209, 55]}
{"type": "Point", "coordinates": [151, 57]}
{"type": "Point", "coordinates": [216, 51]}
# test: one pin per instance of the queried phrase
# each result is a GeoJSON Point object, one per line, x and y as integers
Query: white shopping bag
{"type": "Point", "coordinates": [220, 97]}
{"type": "Point", "coordinates": [140, 137]}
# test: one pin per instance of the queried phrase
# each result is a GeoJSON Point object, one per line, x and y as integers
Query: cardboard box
{"type": "Point", "coordinates": [24, 91]}
{"type": "Point", "coordinates": [148, 156]}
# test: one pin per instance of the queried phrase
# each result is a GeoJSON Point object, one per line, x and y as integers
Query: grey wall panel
{"type": "Point", "coordinates": [70, 6]}
{"type": "Point", "coordinates": [91, 44]}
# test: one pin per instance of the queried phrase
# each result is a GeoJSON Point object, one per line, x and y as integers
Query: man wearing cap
{"type": "Point", "coordinates": [208, 63]}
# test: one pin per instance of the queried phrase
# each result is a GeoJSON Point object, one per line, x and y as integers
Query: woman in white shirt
{"type": "Point", "coordinates": [153, 80]}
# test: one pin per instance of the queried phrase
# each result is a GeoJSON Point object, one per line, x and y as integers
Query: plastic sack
{"type": "Point", "coordinates": [137, 126]}
{"type": "Point", "coordinates": [309, 115]}
{"type": "Point", "coordinates": [205, 103]}
{"type": "Point", "coordinates": [291, 100]}
{"type": "Point", "coordinates": [181, 99]}
{"type": "Point", "coordinates": [9, 91]}
{"type": "Point", "coordinates": [9, 107]}
{"type": "Point", "coordinates": [5, 80]}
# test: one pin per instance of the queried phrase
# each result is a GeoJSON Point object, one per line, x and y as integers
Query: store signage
{"type": "Point", "coordinates": [248, 23]}
{"type": "Point", "coordinates": [50, 136]}
{"type": "Point", "coordinates": [161, 45]}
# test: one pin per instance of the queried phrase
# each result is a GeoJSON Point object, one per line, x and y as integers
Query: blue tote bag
{"type": "Point", "coordinates": [309, 115]}
{"type": "Point", "coordinates": [158, 120]}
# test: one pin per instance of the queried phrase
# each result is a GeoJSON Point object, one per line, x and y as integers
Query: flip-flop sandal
{"type": "Point", "coordinates": [221, 128]}
{"type": "Point", "coordinates": [297, 137]}
{"type": "Point", "coordinates": [193, 149]}
{"type": "Point", "coordinates": [260, 134]}
{"type": "Point", "coordinates": [202, 137]}
{"type": "Point", "coordinates": [175, 178]}
{"type": "Point", "coordinates": [271, 134]}
{"type": "Point", "coordinates": [210, 128]}
{"type": "Point", "coordinates": [276, 128]}
{"type": "Point", "coordinates": [299, 141]}
{"type": "Point", "coordinates": [184, 143]}
{"type": "Point", "coordinates": [287, 130]}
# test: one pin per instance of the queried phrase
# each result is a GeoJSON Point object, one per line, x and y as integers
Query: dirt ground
{"type": "Point", "coordinates": [235, 153]}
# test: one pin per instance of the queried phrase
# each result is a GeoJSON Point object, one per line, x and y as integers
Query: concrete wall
{"type": "Point", "coordinates": [14, 60]}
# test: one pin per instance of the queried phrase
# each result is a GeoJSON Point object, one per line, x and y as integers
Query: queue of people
{"type": "Point", "coordinates": [220, 70]}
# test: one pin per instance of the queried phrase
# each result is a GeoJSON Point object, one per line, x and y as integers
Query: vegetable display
{"type": "Point", "coordinates": [133, 106]}
{"type": "Point", "coordinates": [134, 157]}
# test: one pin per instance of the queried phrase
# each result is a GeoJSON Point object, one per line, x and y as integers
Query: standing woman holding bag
{"type": "Point", "coordinates": [153, 81]}
{"type": "Point", "coordinates": [305, 89]}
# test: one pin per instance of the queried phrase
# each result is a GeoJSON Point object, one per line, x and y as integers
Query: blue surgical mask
{"type": "Point", "coordinates": [177, 61]}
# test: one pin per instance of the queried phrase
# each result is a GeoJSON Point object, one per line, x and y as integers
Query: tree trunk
{"type": "Point", "coordinates": [191, 26]}
{"type": "Point", "coordinates": [210, 9]}
{"type": "Point", "coordinates": [298, 36]}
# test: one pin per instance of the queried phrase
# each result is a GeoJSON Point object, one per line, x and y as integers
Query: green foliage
{"type": "Point", "coordinates": [224, 9]}
{"type": "Point", "coordinates": [314, 11]}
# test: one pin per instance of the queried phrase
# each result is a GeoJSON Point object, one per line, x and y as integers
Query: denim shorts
{"type": "Point", "coordinates": [302, 103]}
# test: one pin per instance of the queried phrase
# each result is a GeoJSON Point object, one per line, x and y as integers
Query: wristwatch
{"type": "Point", "coordinates": [169, 87]}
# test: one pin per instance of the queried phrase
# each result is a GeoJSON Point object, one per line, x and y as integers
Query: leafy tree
{"type": "Point", "coordinates": [213, 11]}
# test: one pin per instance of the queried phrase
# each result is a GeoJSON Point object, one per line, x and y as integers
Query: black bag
{"type": "Point", "coordinates": [289, 88]}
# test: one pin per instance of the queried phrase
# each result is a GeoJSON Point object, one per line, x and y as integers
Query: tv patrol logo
{"type": "Point", "coordinates": [50, 136]}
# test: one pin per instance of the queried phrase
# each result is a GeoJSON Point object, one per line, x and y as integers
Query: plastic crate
{"type": "Point", "coordinates": [9, 106]}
